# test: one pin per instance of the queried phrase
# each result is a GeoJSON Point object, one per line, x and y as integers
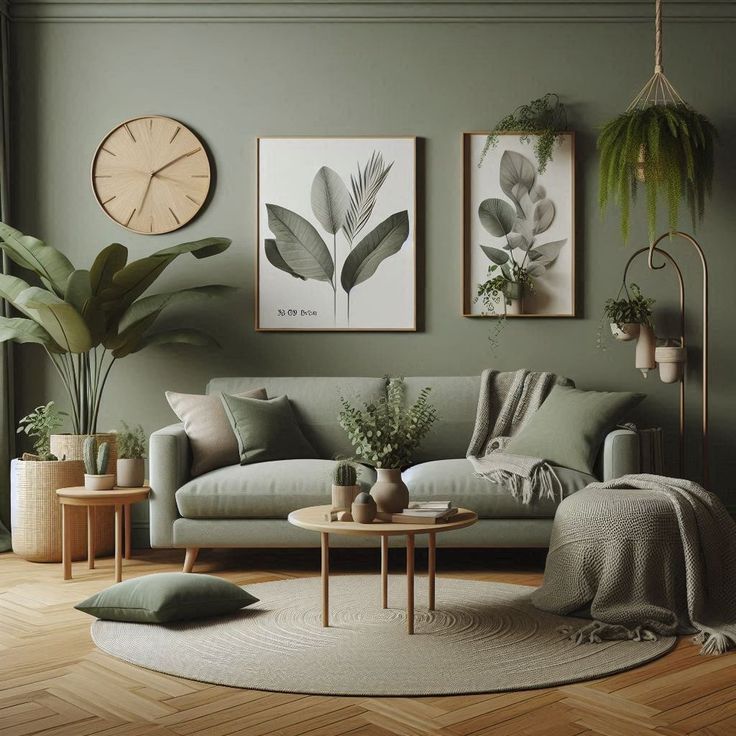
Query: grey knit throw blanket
{"type": "Point", "coordinates": [635, 578]}
{"type": "Point", "coordinates": [505, 403]}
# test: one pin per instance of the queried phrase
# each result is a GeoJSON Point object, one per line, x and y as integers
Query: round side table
{"type": "Point", "coordinates": [122, 499]}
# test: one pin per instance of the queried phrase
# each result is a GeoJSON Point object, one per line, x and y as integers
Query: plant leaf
{"type": "Point", "coordinates": [516, 171]}
{"type": "Point", "coordinates": [383, 241]}
{"type": "Point", "coordinates": [184, 336]}
{"type": "Point", "coordinates": [274, 257]}
{"type": "Point", "coordinates": [537, 192]}
{"type": "Point", "coordinates": [48, 263]}
{"type": "Point", "coordinates": [78, 289]}
{"type": "Point", "coordinates": [300, 245]}
{"type": "Point", "coordinates": [496, 216]}
{"type": "Point", "coordinates": [498, 257]}
{"type": "Point", "coordinates": [365, 187]}
{"type": "Point", "coordinates": [330, 199]}
{"type": "Point", "coordinates": [11, 287]}
{"type": "Point", "coordinates": [107, 263]}
{"type": "Point", "coordinates": [61, 320]}
{"type": "Point", "coordinates": [544, 214]}
{"type": "Point", "coordinates": [23, 330]}
{"type": "Point", "coordinates": [535, 269]}
{"type": "Point", "coordinates": [546, 254]}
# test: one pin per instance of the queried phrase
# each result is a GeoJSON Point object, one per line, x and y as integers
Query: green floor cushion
{"type": "Point", "coordinates": [269, 490]}
{"type": "Point", "coordinates": [266, 430]}
{"type": "Point", "coordinates": [165, 597]}
{"type": "Point", "coordinates": [456, 480]}
{"type": "Point", "coordinates": [571, 425]}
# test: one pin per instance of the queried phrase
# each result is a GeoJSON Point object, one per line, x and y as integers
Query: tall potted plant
{"type": "Point", "coordinates": [386, 434]}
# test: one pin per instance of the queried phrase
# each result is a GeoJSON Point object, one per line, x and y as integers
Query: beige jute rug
{"type": "Point", "coordinates": [482, 637]}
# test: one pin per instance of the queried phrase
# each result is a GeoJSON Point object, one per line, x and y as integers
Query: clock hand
{"type": "Point", "coordinates": [145, 191]}
{"type": "Point", "coordinates": [173, 161]}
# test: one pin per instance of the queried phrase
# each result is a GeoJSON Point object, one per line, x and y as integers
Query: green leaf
{"type": "Point", "coordinates": [544, 214]}
{"type": "Point", "coordinates": [275, 259]}
{"type": "Point", "coordinates": [496, 216]}
{"type": "Point", "coordinates": [546, 254]}
{"type": "Point", "coordinates": [22, 330]}
{"type": "Point", "coordinates": [498, 257]}
{"type": "Point", "coordinates": [107, 263]}
{"type": "Point", "coordinates": [516, 172]}
{"type": "Point", "coordinates": [11, 287]}
{"type": "Point", "coordinates": [61, 320]}
{"type": "Point", "coordinates": [383, 241]}
{"type": "Point", "coordinates": [196, 338]}
{"type": "Point", "coordinates": [330, 199]}
{"type": "Point", "coordinates": [78, 289]}
{"type": "Point", "coordinates": [48, 263]}
{"type": "Point", "coordinates": [156, 303]}
{"type": "Point", "coordinates": [300, 245]}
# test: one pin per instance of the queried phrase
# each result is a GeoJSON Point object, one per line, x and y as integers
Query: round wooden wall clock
{"type": "Point", "coordinates": [151, 174]}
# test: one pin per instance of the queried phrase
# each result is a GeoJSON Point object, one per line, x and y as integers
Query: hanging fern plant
{"type": "Point", "coordinates": [660, 142]}
{"type": "Point", "coordinates": [545, 118]}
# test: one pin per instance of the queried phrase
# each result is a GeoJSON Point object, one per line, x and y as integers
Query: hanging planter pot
{"type": "Point", "coordinates": [671, 361]}
{"type": "Point", "coordinates": [626, 331]}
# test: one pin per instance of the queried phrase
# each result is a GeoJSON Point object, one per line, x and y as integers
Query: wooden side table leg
{"type": "Point", "coordinates": [431, 567]}
{"type": "Point", "coordinates": [91, 537]}
{"type": "Point", "coordinates": [118, 542]}
{"type": "Point", "coordinates": [66, 542]}
{"type": "Point", "coordinates": [384, 571]}
{"type": "Point", "coordinates": [325, 578]}
{"type": "Point", "coordinates": [410, 583]}
{"type": "Point", "coordinates": [128, 512]}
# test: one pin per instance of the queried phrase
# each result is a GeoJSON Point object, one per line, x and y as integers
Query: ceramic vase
{"type": "Point", "coordinates": [671, 360]}
{"type": "Point", "coordinates": [131, 472]}
{"type": "Point", "coordinates": [514, 299]}
{"type": "Point", "coordinates": [389, 491]}
{"type": "Point", "coordinates": [625, 332]}
{"type": "Point", "coordinates": [343, 497]}
{"type": "Point", "coordinates": [363, 509]}
{"type": "Point", "coordinates": [104, 482]}
{"type": "Point", "coordinates": [645, 346]}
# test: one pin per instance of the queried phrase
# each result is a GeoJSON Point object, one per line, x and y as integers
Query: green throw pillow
{"type": "Point", "coordinates": [167, 596]}
{"type": "Point", "coordinates": [570, 426]}
{"type": "Point", "coordinates": [266, 429]}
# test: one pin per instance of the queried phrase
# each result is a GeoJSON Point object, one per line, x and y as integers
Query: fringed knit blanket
{"type": "Point", "coordinates": [505, 403]}
{"type": "Point", "coordinates": [644, 555]}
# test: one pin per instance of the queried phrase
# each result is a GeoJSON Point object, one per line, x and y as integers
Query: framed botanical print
{"type": "Point", "coordinates": [518, 227]}
{"type": "Point", "coordinates": [336, 229]}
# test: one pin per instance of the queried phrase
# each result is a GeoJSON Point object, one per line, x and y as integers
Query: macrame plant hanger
{"type": "Point", "coordinates": [659, 91]}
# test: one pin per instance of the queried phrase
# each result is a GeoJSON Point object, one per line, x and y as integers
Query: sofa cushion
{"type": "Point", "coordinates": [456, 480]}
{"type": "Point", "coordinates": [269, 490]}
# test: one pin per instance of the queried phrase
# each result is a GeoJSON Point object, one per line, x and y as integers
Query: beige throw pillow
{"type": "Point", "coordinates": [211, 437]}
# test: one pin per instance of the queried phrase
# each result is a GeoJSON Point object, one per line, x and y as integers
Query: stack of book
{"type": "Point", "coordinates": [425, 512]}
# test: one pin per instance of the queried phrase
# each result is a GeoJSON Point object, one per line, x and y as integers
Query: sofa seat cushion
{"type": "Point", "coordinates": [268, 490]}
{"type": "Point", "coordinates": [456, 480]}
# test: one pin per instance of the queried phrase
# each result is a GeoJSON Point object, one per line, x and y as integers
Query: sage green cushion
{"type": "Point", "coordinates": [570, 426]}
{"type": "Point", "coordinates": [266, 429]}
{"type": "Point", "coordinates": [167, 596]}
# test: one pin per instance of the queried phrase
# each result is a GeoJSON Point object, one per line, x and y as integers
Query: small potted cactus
{"type": "Point", "coordinates": [344, 485]}
{"type": "Point", "coordinates": [95, 463]}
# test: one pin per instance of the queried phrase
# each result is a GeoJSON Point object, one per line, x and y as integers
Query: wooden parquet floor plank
{"type": "Point", "coordinates": [53, 682]}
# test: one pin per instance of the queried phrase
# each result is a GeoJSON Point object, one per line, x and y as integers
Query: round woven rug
{"type": "Point", "coordinates": [483, 637]}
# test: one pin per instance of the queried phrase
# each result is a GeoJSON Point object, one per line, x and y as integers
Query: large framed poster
{"type": "Point", "coordinates": [518, 228]}
{"type": "Point", "coordinates": [336, 228]}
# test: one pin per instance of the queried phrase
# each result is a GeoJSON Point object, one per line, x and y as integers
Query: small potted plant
{"type": "Point", "coordinates": [344, 485]}
{"type": "Point", "coordinates": [95, 463]}
{"type": "Point", "coordinates": [627, 314]}
{"type": "Point", "coordinates": [386, 434]}
{"type": "Point", "coordinates": [131, 469]}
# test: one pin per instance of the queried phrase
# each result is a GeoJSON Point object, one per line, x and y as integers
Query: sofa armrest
{"type": "Point", "coordinates": [620, 454]}
{"type": "Point", "coordinates": [169, 464]}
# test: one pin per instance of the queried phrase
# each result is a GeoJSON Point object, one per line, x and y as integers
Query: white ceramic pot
{"type": "Point", "coordinates": [131, 472]}
{"type": "Point", "coordinates": [645, 346]}
{"type": "Point", "coordinates": [104, 482]}
{"type": "Point", "coordinates": [343, 497]}
{"type": "Point", "coordinates": [389, 491]}
{"type": "Point", "coordinates": [625, 332]}
{"type": "Point", "coordinates": [671, 360]}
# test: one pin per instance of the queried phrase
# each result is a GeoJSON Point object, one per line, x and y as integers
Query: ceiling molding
{"type": "Point", "coordinates": [369, 11]}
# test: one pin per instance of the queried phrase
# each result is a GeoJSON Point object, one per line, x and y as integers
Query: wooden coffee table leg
{"type": "Point", "coordinates": [384, 571]}
{"type": "Point", "coordinates": [66, 542]}
{"type": "Point", "coordinates": [118, 542]}
{"type": "Point", "coordinates": [410, 583]}
{"type": "Point", "coordinates": [128, 512]}
{"type": "Point", "coordinates": [91, 537]}
{"type": "Point", "coordinates": [325, 578]}
{"type": "Point", "coordinates": [431, 567]}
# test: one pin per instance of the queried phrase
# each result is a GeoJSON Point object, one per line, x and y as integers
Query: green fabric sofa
{"type": "Point", "coordinates": [247, 506]}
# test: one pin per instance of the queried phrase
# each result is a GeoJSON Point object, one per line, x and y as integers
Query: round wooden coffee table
{"type": "Point", "coordinates": [121, 499]}
{"type": "Point", "coordinates": [313, 518]}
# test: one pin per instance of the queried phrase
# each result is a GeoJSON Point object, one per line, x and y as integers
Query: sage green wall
{"type": "Point", "coordinates": [234, 81]}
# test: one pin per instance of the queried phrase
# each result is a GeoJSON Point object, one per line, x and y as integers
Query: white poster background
{"type": "Point", "coordinates": [385, 301]}
{"type": "Point", "coordinates": [554, 290]}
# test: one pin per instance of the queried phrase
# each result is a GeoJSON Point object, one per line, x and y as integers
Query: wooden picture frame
{"type": "Point", "coordinates": [291, 172]}
{"type": "Point", "coordinates": [555, 287]}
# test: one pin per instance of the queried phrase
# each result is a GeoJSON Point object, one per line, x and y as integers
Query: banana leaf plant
{"type": "Point", "coordinates": [87, 320]}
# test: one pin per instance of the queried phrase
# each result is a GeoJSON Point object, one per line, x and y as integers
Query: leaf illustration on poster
{"type": "Point", "coordinates": [295, 246]}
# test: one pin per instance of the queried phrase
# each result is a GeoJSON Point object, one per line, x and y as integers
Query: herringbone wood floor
{"type": "Point", "coordinates": [52, 681]}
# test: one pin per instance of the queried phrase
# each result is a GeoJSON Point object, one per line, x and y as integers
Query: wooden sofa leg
{"type": "Point", "coordinates": [190, 558]}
